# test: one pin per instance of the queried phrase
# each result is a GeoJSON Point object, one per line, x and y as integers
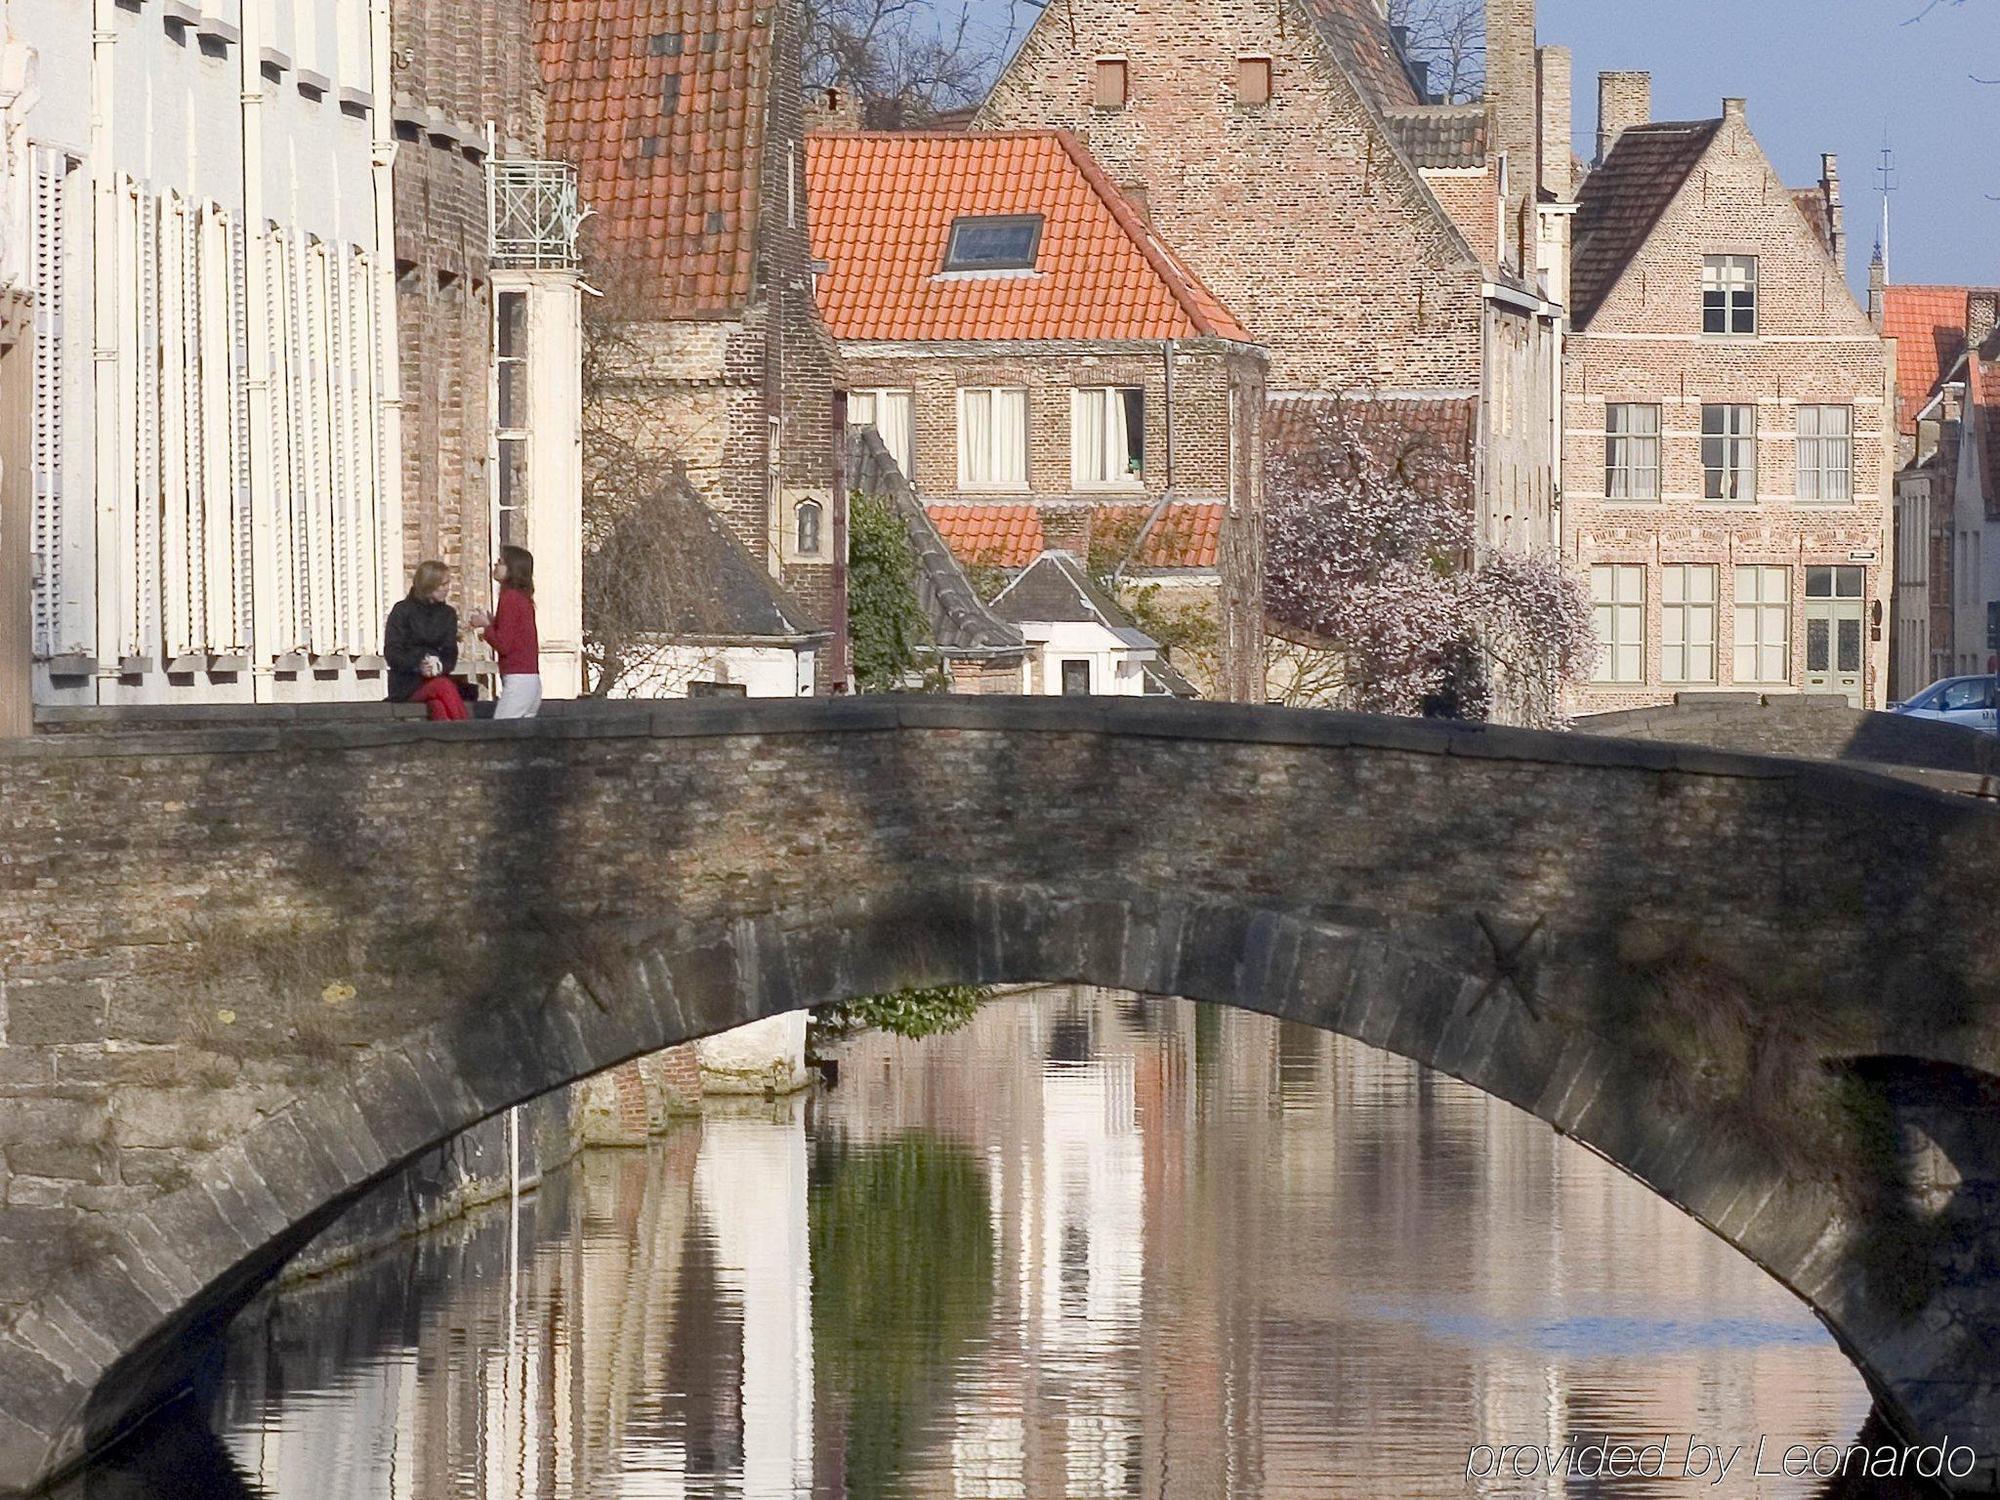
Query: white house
{"type": "Point", "coordinates": [1080, 640]}
{"type": "Point", "coordinates": [216, 487]}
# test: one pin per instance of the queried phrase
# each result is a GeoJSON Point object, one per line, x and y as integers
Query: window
{"type": "Point", "coordinates": [1253, 80]}
{"type": "Point", "coordinates": [1632, 452]}
{"type": "Point", "coordinates": [1959, 696]}
{"type": "Point", "coordinates": [806, 528]}
{"type": "Point", "coordinates": [1833, 621]}
{"type": "Point", "coordinates": [994, 242]}
{"type": "Point", "coordinates": [1687, 623]}
{"type": "Point", "coordinates": [1107, 436]}
{"type": "Point", "coordinates": [1076, 678]}
{"type": "Point", "coordinates": [1618, 603]}
{"type": "Point", "coordinates": [1826, 453]}
{"type": "Point", "coordinates": [1763, 624]}
{"type": "Point", "coordinates": [1729, 452]}
{"type": "Point", "coordinates": [1729, 294]}
{"type": "Point", "coordinates": [889, 413]}
{"type": "Point", "coordinates": [1110, 83]}
{"type": "Point", "coordinates": [993, 439]}
{"type": "Point", "coordinates": [510, 374]}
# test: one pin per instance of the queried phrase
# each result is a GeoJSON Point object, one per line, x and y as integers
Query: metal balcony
{"type": "Point", "coordinates": [532, 215]}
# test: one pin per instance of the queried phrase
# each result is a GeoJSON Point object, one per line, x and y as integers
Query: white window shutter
{"type": "Point", "coordinates": [286, 608]}
{"type": "Point", "coordinates": [242, 564]}
{"type": "Point", "coordinates": [50, 174]}
{"type": "Point", "coordinates": [215, 564]}
{"type": "Point", "coordinates": [177, 426]}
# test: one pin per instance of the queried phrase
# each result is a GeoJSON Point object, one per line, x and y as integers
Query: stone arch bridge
{"type": "Point", "coordinates": [246, 974]}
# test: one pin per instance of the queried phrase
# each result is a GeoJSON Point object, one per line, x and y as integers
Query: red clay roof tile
{"type": "Point", "coordinates": [1928, 324]}
{"type": "Point", "coordinates": [882, 206]}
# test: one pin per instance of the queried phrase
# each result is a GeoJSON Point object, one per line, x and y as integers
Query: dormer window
{"type": "Point", "coordinates": [994, 242]}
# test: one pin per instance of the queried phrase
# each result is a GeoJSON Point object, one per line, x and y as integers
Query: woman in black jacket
{"type": "Point", "coordinates": [422, 645]}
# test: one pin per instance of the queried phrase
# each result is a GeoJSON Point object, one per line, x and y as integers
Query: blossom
{"type": "Point", "coordinates": [1373, 561]}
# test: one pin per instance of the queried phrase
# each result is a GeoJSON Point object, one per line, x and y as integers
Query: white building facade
{"type": "Point", "coordinates": [216, 508]}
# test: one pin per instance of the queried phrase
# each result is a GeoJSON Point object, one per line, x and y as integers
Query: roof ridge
{"type": "Point", "coordinates": [1173, 276]}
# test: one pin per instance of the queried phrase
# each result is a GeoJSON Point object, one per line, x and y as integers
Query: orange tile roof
{"type": "Point", "coordinates": [1187, 534]}
{"type": "Point", "coordinates": [661, 105]}
{"type": "Point", "coordinates": [882, 206]}
{"type": "Point", "coordinates": [1928, 324]}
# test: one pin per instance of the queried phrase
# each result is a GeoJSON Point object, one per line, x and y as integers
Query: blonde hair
{"type": "Point", "coordinates": [424, 582]}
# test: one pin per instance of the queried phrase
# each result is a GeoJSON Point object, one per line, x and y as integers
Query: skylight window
{"type": "Point", "coordinates": [993, 242]}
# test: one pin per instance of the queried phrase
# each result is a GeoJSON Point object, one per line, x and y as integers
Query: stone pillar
{"type": "Point", "coordinates": [1624, 99]}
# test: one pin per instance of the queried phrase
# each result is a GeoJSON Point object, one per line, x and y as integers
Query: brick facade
{"type": "Point", "coordinates": [458, 68]}
{"type": "Point", "coordinates": [1640, 341]}
{"type": "Point", "coordinates": [1300, 213]}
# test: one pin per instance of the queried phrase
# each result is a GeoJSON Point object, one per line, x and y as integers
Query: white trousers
{"type": "Point", "coordinates": [520, 696]}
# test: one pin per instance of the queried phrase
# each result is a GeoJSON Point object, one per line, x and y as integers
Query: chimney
{"type": "Point", "coordinates": [1511, 109]}
{"type": "Point", "coordinates": [1836, 214]}
{"type": "Point", "coordinates": [1623, 100]}
{"type": "Point", "coordinates": [832, 108]}
{"type": "Point", "coordinates": [1982, 312]}
{"type": "Point", "coordinates": [1878, 288]}
{"type": "Point", "coordinates": [1558, 169]}
{"type": "Point", "coordinates": [1555, 90]}
{"type": "Point", "coordinates": [1732, 109]}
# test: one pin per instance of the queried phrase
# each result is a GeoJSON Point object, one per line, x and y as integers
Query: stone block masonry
{"type": "Point", "coordinates": [249, 974]}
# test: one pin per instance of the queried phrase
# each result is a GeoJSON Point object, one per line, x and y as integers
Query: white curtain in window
{"type": "Point", "coordinates": [1763, 624]}
{"type": "Point", "coordinates": [893, 419]}
{"type": "Point", "coordinates": [1087, 458]}
{"type": "Point", "coordinates": [993, 438]}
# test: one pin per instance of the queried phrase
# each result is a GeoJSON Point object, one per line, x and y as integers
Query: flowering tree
{"type": "Point", "coordinates": [1382, 599]}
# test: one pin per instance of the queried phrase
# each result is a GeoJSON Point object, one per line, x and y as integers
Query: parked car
{"type": "Point", "coordinates": [1969, 701]}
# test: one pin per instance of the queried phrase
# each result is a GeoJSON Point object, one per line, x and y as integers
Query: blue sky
{"type": "Point", "coordinates": [1819, 75]}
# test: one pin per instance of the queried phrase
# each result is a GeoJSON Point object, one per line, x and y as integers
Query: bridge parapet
{"type": "Point", "coordinates": [246, 973]}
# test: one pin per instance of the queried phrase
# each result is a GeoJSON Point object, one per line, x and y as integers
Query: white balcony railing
{"type": "Point", "coordinates": [532, 214]}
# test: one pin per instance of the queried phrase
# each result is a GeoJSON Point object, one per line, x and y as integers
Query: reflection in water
{"type": "Point", "coordinates": [1093, 1245]}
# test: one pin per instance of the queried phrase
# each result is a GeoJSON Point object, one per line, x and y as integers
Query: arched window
{"type": "Point", "coordinates": [808, 523]}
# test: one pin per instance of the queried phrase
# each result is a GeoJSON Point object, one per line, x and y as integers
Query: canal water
{"type": "Point", "coordinates": [1093, 1245]}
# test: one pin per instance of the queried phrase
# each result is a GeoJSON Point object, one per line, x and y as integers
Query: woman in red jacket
{"type": "Point", "coordinates": [510, 631]}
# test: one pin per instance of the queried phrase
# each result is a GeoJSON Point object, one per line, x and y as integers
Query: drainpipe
{"type": "Point", "coordinates": [264, 521]}
{"type": "Point", "coordinates": [388, 340]}
{"type": "Point", "coordinates": [838, 664]}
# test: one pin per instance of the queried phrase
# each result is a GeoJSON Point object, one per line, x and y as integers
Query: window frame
{"type": "Point", "coordinates": [817, 511]}
{"type": "Point", "coordinates": [1740, 444]}
{"type": "Point", "coordinates": [1685, 609]}
{"type": "Point", "coordinates": [1821, 444]}
{"type": "Point", "coordinates": [1727, 301]}
{"type": "Point", "coordinates": [956, 261]}
{"type": "Point", "coordinates": [509, 437]}
{"type": "Point", "coordinates": [875, 396]}
{"type": "Point", "coordinates": [1761, 609]}
{"type": "Point", "coordinates": [1082, 396]}
{"type": "Point", "coordinates": [1620, 609]}
{"type": "Point", "coordinates": [1625, 442]}
{"type": "Point", "coordinates": [1005, 486]}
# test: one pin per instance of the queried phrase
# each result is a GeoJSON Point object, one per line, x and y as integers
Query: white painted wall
{"type": "Point", "coordinates": [767, 1056]}
{"type": "Point", "coordinates": [764, 671]}
{"type": "Point", "coordinates": [217, 486]}
{"type": "Point", "coordinates": [1116, 669]}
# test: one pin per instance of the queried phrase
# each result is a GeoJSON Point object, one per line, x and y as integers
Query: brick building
{"type": "Point", "coordinates": [487, 307]}
{"type": "Point", "coordinates": [1045, 370]}
{"type": "Point", "coordinates": [1378, 244]}
{"type": "Point", "coordinates": [1947, 484]}
{"type": "Point", "coordinates": [1728, 433]}
{"type": "Point", "coordinates": [684, 119]}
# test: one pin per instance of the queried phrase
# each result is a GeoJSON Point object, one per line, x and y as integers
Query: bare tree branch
{"type": "Point", "coordinates": [1446, 38]}
{"type": "Point", "coordinates": [906, 61]}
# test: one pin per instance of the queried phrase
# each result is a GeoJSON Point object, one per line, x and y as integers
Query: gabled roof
{"type": "Point", "coordinates": [661, 105]}
{"type": "Point", "coordinates": [1812, 203]}
{"type": "Point", "coordinates": [1186, 535]}
{"type": "Point", "coordinates": [883, 204]}
{"type": "Point", "coordinates": [1623, 199]}
{"type": "Point", "coordinates": [1358, 32]}
{"type": "Point", "coordinates": [1056, 589]}
{"type": "Point", "coordinates": [1441, 135]}
{"type": "Point", "coordinates": [1929, 325]}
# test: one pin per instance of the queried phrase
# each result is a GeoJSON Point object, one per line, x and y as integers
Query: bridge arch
{"type": "Point", "coordinates": [1668, 954]}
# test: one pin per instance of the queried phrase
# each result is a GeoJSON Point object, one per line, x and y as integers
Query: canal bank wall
{"type": "Point", "coordinates": [622, 1106]}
